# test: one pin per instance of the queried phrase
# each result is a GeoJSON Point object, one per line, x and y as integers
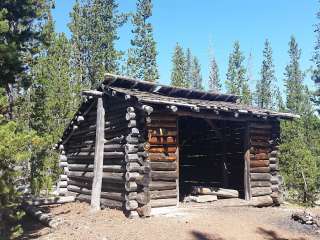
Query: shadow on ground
{"type": "Point", "coordinates": [205, 236]}
{"type": "Point", "coordinates": [272, 235]}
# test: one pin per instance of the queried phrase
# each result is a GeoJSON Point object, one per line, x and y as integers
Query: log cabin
{"type": "Point", "coordinates": [139, 146]}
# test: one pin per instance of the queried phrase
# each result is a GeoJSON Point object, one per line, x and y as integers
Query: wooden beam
{"type": "Point", "coordinates": [94, 93]}
{"type": "Point", "coordinates": [247, 183]}
{"type": "Point", "coordinates": [98, 156]}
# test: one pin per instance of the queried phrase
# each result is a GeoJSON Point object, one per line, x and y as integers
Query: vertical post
{"type": "Point", "coordinates": [247, 183]}
{"type": "Point", "coordinates": [98, 156]}
{"type": "Point", "coordinates": [178, 161]}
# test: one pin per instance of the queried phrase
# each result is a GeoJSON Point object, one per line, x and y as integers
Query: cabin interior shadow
{"type": "Point", "coordinates": [211, 154]}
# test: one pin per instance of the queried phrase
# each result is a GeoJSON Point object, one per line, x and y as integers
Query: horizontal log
{"type": "Point", "coordinates": [163, 194]}
{"type": "Point", "coordinates": [203, 198]}
{"type": "Point", "coordinates": [107, 195]}
{"type": "Point", "coordinates": [261, 191]}
{"type": "Point", "coordinates": [107, 176]}
{"type": "Point", "coordinates": [162, 157]}
{"type": "Point", "coordinates": [260, 126]}
{"type": "Point", "coordinates": [259, 156]}
{"type": "Point", "coordinates": [260, 176]}
{"type": "Point", "coordinates": [106, 186]}
{"type": "Point", "coordinates": [259, 163]}
{"type": "Point", "coordinates": [153, 140]}
{"type": "Point", "coordinates": [163, 202]}
{"type": "Point", "coordinates": [164, 166]}
{"type": "Point", "coordinates": [162, 185]}
{"type": "Point", "coordinates": [260, 144]}
{"type": "Point", "coordinates": [275, 188]}
{"type": "Point", "coordinates": [260, 170]}
{"type": "Point", "coordinates": [131, 186]}
{"type": "Point", "coordinates": [274, 167]}
{"type": "Point", "coordinates": [162, 133]}
{"type": "Point", "coordinates": [45, 218]}
{"type": "Point", "coordinates": [275, 180]}
{"type": "Point", "coordinates": [164, 175]}
{"type": "Point", "coordinates": [260, 184]}
{"type": "Point", "coordinates": [105, 203]}
{"type": "Point", "coordinates": [48, 201]}
{"type": "Point", "coordinates": [220, 192]}
{"type": "Point", "coordinates": [63, 183]}
{"type": "Point", "coordinates": [154, 124]}
{"type": "Point", "coordinates": [89, 168]}
{"type": "Point", "coordinates": [162, 149]}
{"type": "Point", "coordinates": [262, 201]}
{"type": "Point", "coordinates": [144, 211]}
{"type": "Point", "coordinates": [63, 177]}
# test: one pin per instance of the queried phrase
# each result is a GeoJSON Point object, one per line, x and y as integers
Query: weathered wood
{"type": "Point", "coordinates": [274, 167]}
{"type": "Point", "coordinates": [131, 186]}
{"type": "Point", "coordinates": [259, 156]}
{"type": "Point", "coordinates": [45, 218]}
{"type": "Point", "coordinates": [204, 198]}
{"type": "Point", "coordinates": [143, 197]}
{"type": "Point", "coordinates": [163, 202]}
{"type": "Point", "coordinates": [164, 175]}
{"type": "Point", "coordinates": [259, 163]}
{"type": "Point", "coordinates": [162, 149]}
{"type": "Point", "coordinates": [163, 194]}
{"type": "Point", "coordinates": [48, 201]}
{"type": "Point", "coordinates": [164, 166]}
{"type": "Point", "coordinates": [220, 192]}
{"type": "Point", "coordinates": [273, 160]}
{"type": "Point", "coordinates": [162, 140]}
{"type": "Point", "coordinates": [131, 205]}
{"type": "Point", "coordinates": [275, 180]}
{"type": "Point", "coordinates": [261, 191]}
{"type": "Point", "coordinates": [262, 201]}
{"type": "Point", "coordinates": [260, 176]}
{"type": "Point", "coordinates": [260, 184]}
{"type": "Point", "coordinates": [115, 177]}
{"type": "Point", "coordinates": [144, 211]}
{"type": "Point", "coordinates": [260, 170]}
{"type": "Point", "coordinates": [89, 168]}
{"type": "Point", "coordinates": [162, 185]}
{"type": "Point", "coordinates": [162, 157]}
{"type": "Point", "coordinates": [107, 195]}
{"type": "Point", "coordinates": [106, 186]}
{"type": "Point", "coordinates": [103, 201]}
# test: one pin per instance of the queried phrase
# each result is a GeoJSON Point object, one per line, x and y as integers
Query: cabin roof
{"type": "Point", "coordinates": [157, 94]}
{"type": "Point", "coordinates": [112, 80]}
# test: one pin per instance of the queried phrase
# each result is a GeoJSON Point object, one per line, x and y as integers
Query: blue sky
{"type": "Point", "coordinates": [215, 24]}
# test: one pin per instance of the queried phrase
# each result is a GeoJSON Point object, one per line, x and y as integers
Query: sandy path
{"type": "Point", "coordinates": [214, 223]}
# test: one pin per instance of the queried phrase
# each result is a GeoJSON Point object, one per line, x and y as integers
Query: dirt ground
{"type": "Point", "coordinates": [205, 222]}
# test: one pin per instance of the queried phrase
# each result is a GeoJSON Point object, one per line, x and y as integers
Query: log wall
{"type": "Point", "coordinates": [264, 164]}
{"type": "Point", "coordinates": [162, 137]}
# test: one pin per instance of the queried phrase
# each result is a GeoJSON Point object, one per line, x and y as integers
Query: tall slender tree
{"type": "Point", "coordinates": [264, 87]}
{"type": "Point", "coordinates": [214, 79]}
{"type": "Point", "coordinates": [188, 67]}
{"type": "Point", "coordinates": [178, 74]}
{"type": "Point", "coordinates": [297, 95]}
{"type": "Point", "coordinates": [196, 74]}
{"type": "Point", "coordinates": [316, 62]}
{"type": "Point", "coordinates": [142, 62]}
{"type": "Point", "coordinates": [94, 25]}
{"type": "Point", "coordinates": [236, 75]}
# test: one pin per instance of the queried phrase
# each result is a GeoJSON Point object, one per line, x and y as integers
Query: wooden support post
{"type": "Point", "coordinates": [247, 183]}
{"type": "Point", "coordinates": [98, 156]}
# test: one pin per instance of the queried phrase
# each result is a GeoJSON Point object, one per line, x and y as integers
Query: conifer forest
{"type": "Point", "coordinates": [43, 72]}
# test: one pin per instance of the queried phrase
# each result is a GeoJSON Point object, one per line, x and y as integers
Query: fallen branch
{"type": "Point", "coordinates": [45, 218]}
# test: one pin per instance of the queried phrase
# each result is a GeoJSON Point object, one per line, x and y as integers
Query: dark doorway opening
{"type": "Point", "coordinates": [211, 154]}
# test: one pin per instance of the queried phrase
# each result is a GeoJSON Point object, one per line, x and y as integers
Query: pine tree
{"type": "Point", "coordinates": [178, 74]}
{"type": "Point", "coordinates": [53, 102]}
{"type": "Point", "coordinates": [94, 28]}
{"type": "Point", "coordinates": [189, 67]}
{"type": "Point", "coordinates": [316, 62]}
{"type": "Point", "coordinates": [142, 63]}
{"type": "Point", "coordinates": [214, 80]}
{"type": "Point", "coordinates": [264, 87]}
{"type": "Point", "coordinates": [19, 41]}
{"type": "Point", "coordinates": [236, 81]}
{"type": "Point", "coordinates": [196, 77]}
{"type": "Point", "coordinates": [297, 95]}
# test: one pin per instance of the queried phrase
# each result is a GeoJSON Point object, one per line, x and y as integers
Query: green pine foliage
{"type": "Point", "coordinates": [214, 79]}
{"type": "Point", "coordinates": [316, 62]}
{"type": "Point", "coordinates": [237, 82]}
{"type": "Point", "coordinates": [264, 88]}
{"type": "Point", "coordinates": [94, 25]}
{"type": "Point", "coordinates": [297, 94]}
{"type": "Point", "coordinates": [188, 67]}
{"type": "Point", "coordinates": [299, 159]}
{"type": "Point", "coordinates": [196, 78]}
{"type": "Point", "coordinates": [142, 62]}
{"type": "Point", "coordinates": [178, 74]}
